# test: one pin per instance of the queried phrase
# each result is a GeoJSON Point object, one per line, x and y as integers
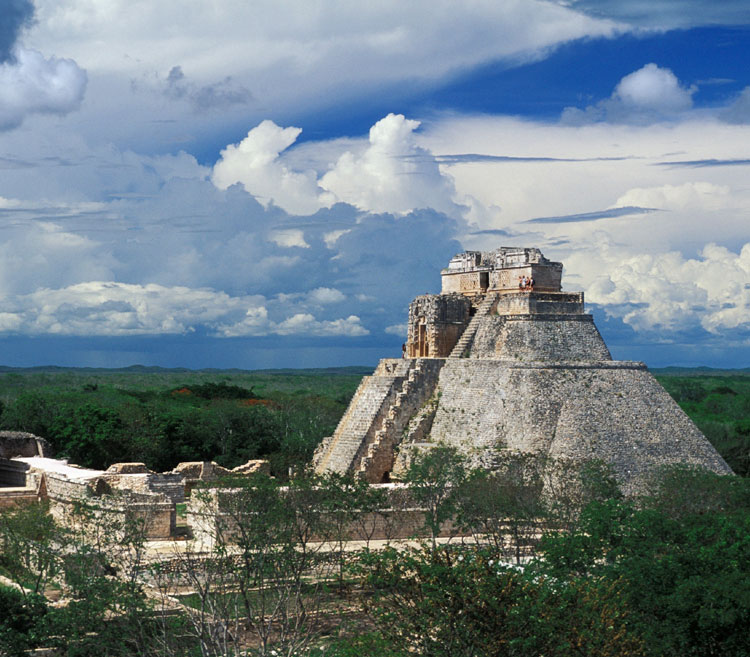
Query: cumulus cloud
{"type": "Point", "coordinates": [33, 84]}
{"type": "Point", "coordinates": [306, 324]}
{"type": "Point", "coordinates": [649, 94]}
{"type": "Point", "coordinates": [15, 16]}
{"type": "Point", "coordinates": [254, 163]}
{"type": "Point", "coordinates": [390, 173]}
{"type": "Point", "coordinates": [397, 329]}
{"type": "Point", "coordinates": [163, 251]}
{"type": "Point", "coordinates": [97, 308]}
{"type": "Point", "coordinates": [215, 95]}
{"type": "Point", "coordinates": [326, 295]}
{"type": "Point", "coordinates": [393, 174]}
{"type": "Point", "coordinates": [668, 292]}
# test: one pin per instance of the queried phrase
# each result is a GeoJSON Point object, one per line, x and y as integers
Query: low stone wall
{"type": "Point", "coordinates": [209, 516]}
{"type": "Point", "coordinates": [12, 497]}
{"type": "Point", "coordinates": [21, 443]}
{"type": "Point", "coordinates": [156, 511]}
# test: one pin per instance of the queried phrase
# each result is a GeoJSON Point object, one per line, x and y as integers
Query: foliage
{"type": "Point", "coordinates": [162, 418]}
{"type": "Point", "coordinates": [93, 561]}
{"type": "Point", "coordinates": [21, 621]}
{"type": "Point", "coordinates": [720, 406]}
{"type": "Point", "coordinates": [435, 478]}
{"type": "Point", "coordinates": [264, 573]}
{"type": "Point", "coordinates": [463, 602]}
{"type": "Point", "coordinates": [685, 577]}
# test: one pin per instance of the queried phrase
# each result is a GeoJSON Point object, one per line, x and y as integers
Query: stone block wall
{"type": "Point", "coordinates": [436, 322]}
{"type": "Point", "coordinates": [609, 410]}
{"type": "Point", "coordinates": [547, 277]}
{"type": "Point", "coordinates": [539, 338]}
{"type": "Point", "coordinates": [542, 303]}
{"type": "Point", "coordinates": [209, 516]}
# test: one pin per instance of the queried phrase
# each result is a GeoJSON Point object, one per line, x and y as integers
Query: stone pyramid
{"type": "Point", "coordinates": [503, 359]}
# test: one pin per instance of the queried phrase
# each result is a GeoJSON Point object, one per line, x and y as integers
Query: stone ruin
{"type": "Point", "coordinates": [28, 473]}
{"type": "Point", "coordinates": [491, 364]}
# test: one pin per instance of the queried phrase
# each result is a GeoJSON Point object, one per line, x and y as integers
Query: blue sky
{"type": "Point", "coordinates": [226, 185]}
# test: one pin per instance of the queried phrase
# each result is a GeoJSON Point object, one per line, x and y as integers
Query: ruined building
{"type": "Point", "coordinates": [503, 359]}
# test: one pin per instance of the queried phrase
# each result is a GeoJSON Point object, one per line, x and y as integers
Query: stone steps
{"type": "Point", "coordinates": [371, 402]}
{"type": "Point", "coordinates": [378, 457]}
{"type": "Point", "coordinates": [470, 331]}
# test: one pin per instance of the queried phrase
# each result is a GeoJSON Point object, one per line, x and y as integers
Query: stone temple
{"type": "Point", "coordinates": [503, 359]}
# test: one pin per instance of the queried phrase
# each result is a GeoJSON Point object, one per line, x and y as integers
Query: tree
{"type": "Point", "coordinates": [506, 506]}
{"type": "Point", "coordinates": [265, 575]}
{"type": "Point", "coordinates": [459, 601]}
{"type": "Point", "coordinates": [685, 578]}
{"type": "Point", "coordinates": [347, 506]}
{"type": "Point", "coordinates": [435, 477]}
{"type": "Point", "coordinates": [94, 561]}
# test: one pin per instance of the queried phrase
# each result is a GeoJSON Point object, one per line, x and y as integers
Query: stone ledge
{"type": "Point", "coordinates": [546, 317]}
{"type": "Point", "coordinates": [560, 365]}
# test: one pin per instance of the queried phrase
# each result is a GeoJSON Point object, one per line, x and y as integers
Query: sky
{"type": "Point", "coordinates": [269, 184]}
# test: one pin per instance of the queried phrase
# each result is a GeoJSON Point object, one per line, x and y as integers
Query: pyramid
{"type": "Point", "coordinates": [503, 359]}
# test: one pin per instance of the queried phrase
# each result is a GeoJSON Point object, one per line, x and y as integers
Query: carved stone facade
{"type": "Point", "coordinates": [492, 366]}
{"type": "Point", "coordinates": [436, 322]}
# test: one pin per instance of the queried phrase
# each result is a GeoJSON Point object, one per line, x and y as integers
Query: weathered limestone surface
{"type": "Point", "coordinates": [539, 338]}
{"type": "Point", "coordinates": [21, 443]}
{"type": "Point", "coordinates": [614, 411]}
{"type": "Point", "coordinates": [436, 322]}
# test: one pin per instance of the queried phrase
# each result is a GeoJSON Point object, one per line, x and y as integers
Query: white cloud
{"type": "Point", "coordinates": [306, 324]}
{"type": "Point", "coordinates": [390, 174]}
{"type": "Point", "coordinates": [98, 308]}
{"type": "Point", "coordinates": [649, 94]}
{"type": "Point", "coordinates": [33, 84]}
{"type": "Point", "coordinates": [397, 329]}
{"type": "Point", "coordinates": [667, 292]}
{"type": "Point", "coordinates": [297, 40]}
{"type": "Point", "coordinates": [326, 295]}
{"type": "Point", "coordinates": [254, 162]}
{"type": "Point", "coordinates": [162, 251]}
{"type": "Point", "coordinates": [691, 195]}
{"type": "Point", "coordinates": [393, 174]}
{"type": "Point", "coordinates": [738, 111]}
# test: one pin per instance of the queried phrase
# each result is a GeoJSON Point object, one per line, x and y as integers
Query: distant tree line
{"type": "Point", "coordinates": [96, 426]}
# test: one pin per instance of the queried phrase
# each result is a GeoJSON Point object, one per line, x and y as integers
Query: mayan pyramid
{"type": "Point", "coordinates": [504, 359]}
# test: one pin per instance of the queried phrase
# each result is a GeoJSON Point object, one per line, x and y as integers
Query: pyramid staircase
{"type": "Point", "coordinates": [467, 337]}
{"type": "Point", "coordinates": [378, 455]}
{"type": "Point", "coordinates": [364, 415]}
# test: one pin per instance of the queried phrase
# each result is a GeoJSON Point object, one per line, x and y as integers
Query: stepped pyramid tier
{"type": "Point", "coordinates": [503, 359]}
